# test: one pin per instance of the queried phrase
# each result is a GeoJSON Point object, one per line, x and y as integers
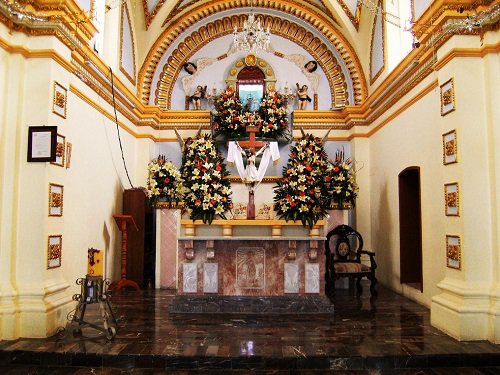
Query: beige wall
{"type": "Point", "coordinates": [34, 300]}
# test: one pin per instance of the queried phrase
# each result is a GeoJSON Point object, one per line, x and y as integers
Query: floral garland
{"type": "Point", "coordinates": [301, 193]}
{"type": "Point", "coordinates": [208, 192]}
{"type": "Point", "coordinates": [164, 181]}
{"type": "Point", "coordinates": [342, 181]}
{"type": "Point", "coordinates": [273, 114]}
{"type": "Point", "coordinates": [230, 119]}
{"type": "Point", "coordinates": [227, 115]}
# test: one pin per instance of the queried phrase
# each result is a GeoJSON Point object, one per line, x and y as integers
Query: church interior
{"type": "Point", "coordinates": [384, 109]}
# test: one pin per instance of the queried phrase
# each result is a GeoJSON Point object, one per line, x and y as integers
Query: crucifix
{"type": "Point", "coordinates": [251, 145]}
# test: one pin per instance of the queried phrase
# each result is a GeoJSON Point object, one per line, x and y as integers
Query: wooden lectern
{"type": "Point", "coordinates": [122, 221]}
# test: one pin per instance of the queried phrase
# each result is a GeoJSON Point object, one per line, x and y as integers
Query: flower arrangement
{"type": "Point", "coordinates": [208, 192]}
{"type": "Point", "coordinates": [342, 181]}
{"type": "Point", "coordinates": [301, 193]}
{"type": "Point", "coordinates": [273, 114]}
{"type": "Point", "coordinates": [164, 181]}
{"type": "Point", "coordinates": [227, 115]}
{"type": "Point", "coordinates": [231, 118]}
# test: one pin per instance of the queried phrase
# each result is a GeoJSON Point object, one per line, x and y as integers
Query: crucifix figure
{"type": "Point", "coordinates": [250, 174]}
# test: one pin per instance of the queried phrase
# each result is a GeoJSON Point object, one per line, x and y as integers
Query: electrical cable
{"type": "Point", "coordinates": [117, 127]}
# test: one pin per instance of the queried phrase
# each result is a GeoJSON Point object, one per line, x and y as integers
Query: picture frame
{"type": "Point", "coordinates": [56, 199]}
{"type": "Point", "coordinates": [42, 143]}
{"type": "Point", "coordinates": [453, 252]}
{"type": "Point", "coordinates": [54, 251]}
{"type": "Point", "coordinates": [452, 199]}
{"type": "Point", "coordinates": [450, 147]}
{"type": "Point", "coordinates": [69, 149]}
{"type": "Point", "coordinates": [60, 100]}
{"type": "Point", "coordinates": [447, 94]}
{"type": "Point", "coordinates": [60, 150]}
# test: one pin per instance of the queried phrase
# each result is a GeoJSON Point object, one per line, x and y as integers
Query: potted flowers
{"type": "Point", "coordinates": [164, 182]}
{"type": "Point", "coordinates": [341, 180]}
{"type": "Point", "coordinates": [273, 115]}
{"type": "Point", "coordinates": [227, 115]}
{"type": "Point", "coordinates": [208, 192]}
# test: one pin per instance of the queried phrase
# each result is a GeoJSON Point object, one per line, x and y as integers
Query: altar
{"type": "Point", "coordinates": [241, 257]}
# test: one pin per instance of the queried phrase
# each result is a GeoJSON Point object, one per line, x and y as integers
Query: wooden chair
{"type": "Point", "coordinates": [343, 248]}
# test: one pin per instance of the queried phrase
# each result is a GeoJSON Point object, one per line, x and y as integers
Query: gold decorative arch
{"type": "Point", "coordinates": [278, 25]}
{"type": "Point", "coordinates": [295, 33]}
{"type": "Point", "coordinates": [270, 77]}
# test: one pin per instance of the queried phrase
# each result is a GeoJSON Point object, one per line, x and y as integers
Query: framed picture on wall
{"type": "Point", "coordinates": [54, 251]}
{"type": "Point", "coordinates": [447, 97]}
{"type": "Point", "coordinates": [450, 147]}
{"type": "Point", "coordinates": [453, 252]}
{"type": "Point", "coordinates": [56, 199]}
{"type": "Point", "coordinates": [59, 102]}
{"type": "Point", "coordinates": [451, 199]}
{"type": "Point", "coordinates": [42, 143]}
{"type": "Point", "coordinates": [60, 151]}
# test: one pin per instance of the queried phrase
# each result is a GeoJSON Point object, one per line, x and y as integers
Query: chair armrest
{"type": "Point", "coordinates": [368, 252]}
{"type": "Point", "coordinates": [373, 264]}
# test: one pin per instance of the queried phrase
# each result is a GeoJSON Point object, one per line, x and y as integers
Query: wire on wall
{"type": "Point", "coordinates": [117, 127]}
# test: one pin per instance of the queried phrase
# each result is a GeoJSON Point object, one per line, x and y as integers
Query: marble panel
{"type": "Point", "coordinates": [210, 278]}
{"type": "Point", "coordinates": [291, 278]}
{"type": "Point", "coordinates": [312, 278]}
{"type": "Point", "coordinates": [166, 267]}
{"type": "Point", "coordinates": [250, 267]}
{"type": "Point", "coordinates": [190, 278]}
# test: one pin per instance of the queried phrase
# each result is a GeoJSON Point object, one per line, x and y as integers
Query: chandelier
{"type": "Point", "coordinates": [252, 37]}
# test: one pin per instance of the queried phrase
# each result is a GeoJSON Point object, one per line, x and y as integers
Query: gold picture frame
{"type": "Point", "coordinates": [60, 100]}
{"type": "Point", "coordinates": [453, 252]}
{"type": "Point", "coordinates": [69, 149]}
{"type": "Point", "coordinates": [56, 199]}
{"type": "Point", "coordinates": [60, 151]}
{"type": "Point", "coordinates": [452, 199]}
{"type": "Point", "coordinates": [450, 147]}
{"type": "Point", "coordinates": [54, 251]}
{"type": "Point", "coordinates": [447, 97]}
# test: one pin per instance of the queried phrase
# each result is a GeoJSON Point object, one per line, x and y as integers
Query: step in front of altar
{"type": "Point", "coordinates": [269, 305]}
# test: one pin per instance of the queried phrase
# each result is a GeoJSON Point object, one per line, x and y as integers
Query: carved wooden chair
{"type": "Point", "coordinates": [343, 248]}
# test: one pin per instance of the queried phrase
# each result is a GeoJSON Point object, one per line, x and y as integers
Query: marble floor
{"type": "Point", "coordinates": [386, 335]}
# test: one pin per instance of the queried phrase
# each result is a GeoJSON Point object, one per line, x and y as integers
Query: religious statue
{"type": "Point", "coordinates": [303, 96]}
{"type": "Point", "coordinates": [251, 104]}
{"type": "Point", "coordinates": [251, 176]}
{"type": "Point", "coordinates": [198, 94]}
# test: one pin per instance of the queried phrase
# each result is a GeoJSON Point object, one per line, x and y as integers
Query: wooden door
{"type": "Point", "coordinates": [410, 228]}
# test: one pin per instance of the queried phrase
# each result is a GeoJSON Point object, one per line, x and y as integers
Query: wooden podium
{"type": "Point", "coordinates": [122, 221]}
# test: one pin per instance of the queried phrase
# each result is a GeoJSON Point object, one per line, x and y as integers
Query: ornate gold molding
{"type": "Point", "coordinates": [284, 28]}
{"type": "Point", "coordinates": [124, 12]}
{"type": "Point", "coordinates": [224, 26]}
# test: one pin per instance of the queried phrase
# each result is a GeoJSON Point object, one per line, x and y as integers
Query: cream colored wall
{"type": "Point", "coordinates": [412, 139]}
{"type": "Point", "coordinates": [34, 300]}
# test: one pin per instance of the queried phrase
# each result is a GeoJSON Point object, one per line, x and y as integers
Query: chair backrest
{"type": "Point", "coordinates": [344, 244]}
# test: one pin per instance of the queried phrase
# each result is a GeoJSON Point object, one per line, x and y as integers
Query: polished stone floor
{"type": "Point", "coordinates": [386, 335]}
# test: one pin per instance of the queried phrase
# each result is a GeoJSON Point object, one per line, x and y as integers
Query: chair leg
{"type": "Point", "coordinates": [373, 280]}
{"type": "Point", "coordinates": [358, 286]}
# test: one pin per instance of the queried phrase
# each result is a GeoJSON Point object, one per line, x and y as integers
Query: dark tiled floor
{"type": "Point", "coordinates": [386, 335]}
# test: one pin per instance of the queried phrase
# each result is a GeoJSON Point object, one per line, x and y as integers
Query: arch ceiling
{"type": "Point", "coordinates": [311, 24]}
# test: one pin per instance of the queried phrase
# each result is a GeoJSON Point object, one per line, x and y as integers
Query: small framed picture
{"type": "Point", "coordinates": [56, 199]}
{"type": "Point", "coordinates": [450, 147]}
{"type": "Point", "coordinates": [54, 251]}
{"type": "Point", "coordinates": [453, 252]}
{"type": "Point", "coordinates": [451, 199]}
{"type": "Point", "coordinates": [59, 101]}
{"type": "Point", "coordinates": [447, 97]}
{"type": "Point", "coordinates": [60, 151]}
{"type": "Point", "coordinates": [42, 143]}
{"type": "Point", "coordinates": [69, 148]}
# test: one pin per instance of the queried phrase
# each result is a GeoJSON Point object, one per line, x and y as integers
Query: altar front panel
{"type": "Point", "coordinates": [253, 267]}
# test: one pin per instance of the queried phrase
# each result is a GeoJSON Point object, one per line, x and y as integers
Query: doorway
{"type": "Point", "coordinates": [410, 228]}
